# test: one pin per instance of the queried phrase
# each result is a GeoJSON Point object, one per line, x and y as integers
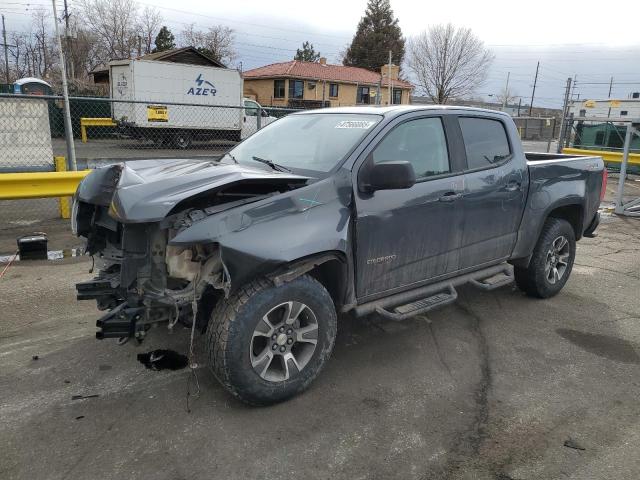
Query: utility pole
{"type": "Point", "coordinates": [533, 93]}
{"type": "Point", "coordinates": [389, 78]}
{"type": "Point", "coordinates": [565, 111]}
{"type": "Point", "coordinates": [67, 40]}
{"type": "Point", "coordinates": [519, 103]}
{"type": "Point", "coordinates": [6, 48]}
{"type": "Point", "coordinates": [609, 96]}
{"type": "Point", "coordinates": [506, 92]}
{"type": "Point", "coordinates": [71, 150]}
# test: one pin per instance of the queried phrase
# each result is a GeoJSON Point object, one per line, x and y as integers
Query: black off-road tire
{"type": "Point", "coordinates": [534, 280]}
{"type": "Point", "coordinates": [232, 326]}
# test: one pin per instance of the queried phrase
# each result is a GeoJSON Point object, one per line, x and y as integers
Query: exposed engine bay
{"type": "Point", "coordinates": [142, 280]}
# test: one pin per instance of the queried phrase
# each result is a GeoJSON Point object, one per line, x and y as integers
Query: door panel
{"type": "Point", "coordinates": [494, 193]}
{"type": "Point", "coordinates": [406, 236]}
{"type": "Point", "coordinates": [412, 235]}
{"type": "Point", "coordinates": [493, 203]}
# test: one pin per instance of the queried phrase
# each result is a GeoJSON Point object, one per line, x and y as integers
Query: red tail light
{"type": "Point", "coordinates": [603, 190]}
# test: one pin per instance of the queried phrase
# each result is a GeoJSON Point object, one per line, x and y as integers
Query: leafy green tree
{"type": "Point", "coordinates": [307, 54]}
{"type": "Point", "coordinates": [164, 40]}
{"type": "Point", "coordinates": [378, 32]}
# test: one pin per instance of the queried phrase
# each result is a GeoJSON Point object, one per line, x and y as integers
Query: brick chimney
{"type": "Point", "coordinates": [323, 60]}
{"type": "Point", "coordinates": [395, 71]}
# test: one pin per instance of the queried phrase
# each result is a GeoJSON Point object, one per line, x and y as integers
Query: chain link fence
{"type": "Point", "coordinates": [106, 131]}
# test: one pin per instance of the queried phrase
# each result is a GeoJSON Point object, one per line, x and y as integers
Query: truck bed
{"type": "Point", "coordinates": [570, 178]}
{"type": "Point", "coordinates": [533, 157]}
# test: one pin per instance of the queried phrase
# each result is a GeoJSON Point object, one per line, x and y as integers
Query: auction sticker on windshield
{"type": "Point", "coordinates": [355, 124]}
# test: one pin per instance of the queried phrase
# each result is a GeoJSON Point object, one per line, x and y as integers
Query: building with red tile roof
{"type": "Point", "coordinates": [316, 84]}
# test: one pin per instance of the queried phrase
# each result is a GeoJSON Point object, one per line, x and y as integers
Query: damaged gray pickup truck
{"type": "Point", "coordinates": [357, 210]}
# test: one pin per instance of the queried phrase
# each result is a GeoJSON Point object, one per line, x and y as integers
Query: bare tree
{"type": "Point", "coordinates": [448, 62]}
{"type": "Point", "coordinates": [217, 42]}
{"type": "Point", "coordinates": [149, 22]}
{"type": "Point", "coordinates": [113, 25]}
{"type": "Point", "coordinates": [507, 96]}
{"type": "Point", "coordinates": [43, 41]}
{"type": "Point", "coordinates": [21, 64]}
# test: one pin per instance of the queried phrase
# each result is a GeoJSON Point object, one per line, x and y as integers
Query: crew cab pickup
{"type": "Point", "coordinates": [359, 210]}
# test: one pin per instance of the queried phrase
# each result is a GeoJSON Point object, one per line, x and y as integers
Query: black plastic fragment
{"type": "Point", "coordinates": [80, 397]}
{"type": "Point", "coordinates": [571, 443]}
{"type": "Point", "coordinates": [163, 359]}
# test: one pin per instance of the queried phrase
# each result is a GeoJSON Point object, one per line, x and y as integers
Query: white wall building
{"type": "Point", "coordinates": [610, 107]}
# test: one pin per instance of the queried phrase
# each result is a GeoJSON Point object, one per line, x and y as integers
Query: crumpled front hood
{"type": "Point", "coordinates": [147, 190]}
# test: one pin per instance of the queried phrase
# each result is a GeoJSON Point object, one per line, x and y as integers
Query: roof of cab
{"type": "Point", "coordinates": [394, 110]}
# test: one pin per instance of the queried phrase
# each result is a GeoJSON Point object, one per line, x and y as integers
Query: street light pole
{"type": "Point", "coordinates": [506, 92]}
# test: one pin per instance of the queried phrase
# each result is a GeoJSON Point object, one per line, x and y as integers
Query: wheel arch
{"type": "Point", "coordinates": [330, 268]}
{"type": "Point", "coordinates": [571, 211]}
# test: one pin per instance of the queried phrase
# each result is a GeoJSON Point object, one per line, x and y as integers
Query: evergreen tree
{"type": "Point", "coordinates": [307, 54]}
{"type": "Point", "coordinates": [378, 32]}
{"type": "Point", "coordinates": [164, 40]}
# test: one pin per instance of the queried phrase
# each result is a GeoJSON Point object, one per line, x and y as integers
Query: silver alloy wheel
{"type": "Point", "coordinates": [557, 259]}
{"type": "Point", "coordinates": [283, 342]}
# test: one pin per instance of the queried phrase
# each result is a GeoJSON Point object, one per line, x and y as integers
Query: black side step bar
{"type": "Point", "coordinates": [507, 278]}
{"type": "Point", "coordinates": [420, 306]}
{"type": "Point", "coordinates": [429, 297]}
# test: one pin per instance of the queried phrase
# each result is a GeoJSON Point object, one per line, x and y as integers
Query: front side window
{"type": "Point", "coordinates": [250, 108]}
{"type": "Point", "coordinates": [421, 142]}
{"type": "Point", "coordinates": [312, 142]}
{"type": "Point", "coordinates": [363, 95]}
{"type": "Point", "coordinates": [296, 89]}
{"type": "Point", "coordinates": [485, 141]}
{"type": "Point", "coordinates": [333, 89]}
{"type": "Point", "coordinates": [278, 88]}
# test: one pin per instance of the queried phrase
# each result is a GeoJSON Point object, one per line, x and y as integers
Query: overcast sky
{"type": "Point", "coordinates": [568, 38]}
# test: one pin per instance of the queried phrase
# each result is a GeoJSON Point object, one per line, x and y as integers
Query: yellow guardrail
{"type": "Point", "coordinates": [94, 122]}
{"type": "Point", "coordinates": [60, 183]}
{"type": "Point", "coordinates": [610, 157]}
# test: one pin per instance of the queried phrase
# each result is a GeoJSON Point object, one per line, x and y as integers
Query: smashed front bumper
{"type": "Point", "coordinates": [135, 283]}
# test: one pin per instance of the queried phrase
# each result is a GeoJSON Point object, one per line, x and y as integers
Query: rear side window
{"type": "Point", "coordinates": [485, 142]}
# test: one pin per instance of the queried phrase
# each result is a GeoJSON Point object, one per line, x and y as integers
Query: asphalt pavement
{"type": "Point", "coordinates": [496, 386]}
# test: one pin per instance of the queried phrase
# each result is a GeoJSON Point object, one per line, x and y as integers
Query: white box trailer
{"type": "Point", "coordinates": [160, 84]}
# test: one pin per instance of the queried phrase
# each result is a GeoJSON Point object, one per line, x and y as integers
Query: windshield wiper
{"type": "Point", "coordinates": [273, 165]}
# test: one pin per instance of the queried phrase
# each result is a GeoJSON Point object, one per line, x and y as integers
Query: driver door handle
{"type": "Point", "coordinates": [450, 197]}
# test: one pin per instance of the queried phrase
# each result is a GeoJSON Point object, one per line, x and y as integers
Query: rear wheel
{"type": "Point", "coordinates": [182, 140]}
{"type": "Point", "coordinates": [267, 343]}
{"type": "Point", "coordinates": [551, 262]}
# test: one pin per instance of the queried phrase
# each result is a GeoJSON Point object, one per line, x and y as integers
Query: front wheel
{"type": "Point", "coordinates": [551, 262]}
{"type": "Point", "coordinates": [266, 343]}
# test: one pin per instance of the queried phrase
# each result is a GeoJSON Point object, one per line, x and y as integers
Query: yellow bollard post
{"type": "Point", "coordinates": [65, 208]}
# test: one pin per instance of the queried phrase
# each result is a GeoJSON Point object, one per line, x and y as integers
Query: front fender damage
{"type": "Point", "coordinates": [268, 236]}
